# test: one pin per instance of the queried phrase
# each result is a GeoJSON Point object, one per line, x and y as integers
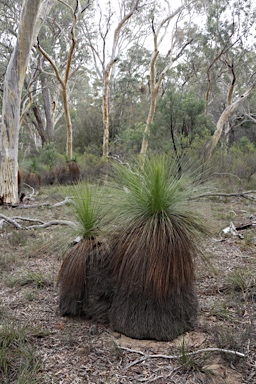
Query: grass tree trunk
{"type": "Point", "coordinates": [13, 84]}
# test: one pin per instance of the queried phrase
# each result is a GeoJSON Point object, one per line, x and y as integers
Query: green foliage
{"type": "Point", "coordinates": [89, 209]}
{"type": "Point", "coordinates": [92, 166]}
{"type": "Point", "coordinates": [193, 362]}
{"type": "Point", "coordinates": [242, 146]}
{"type": "Point", "coordinates": [18, 362]}
{"type": "Point", "coordinates": [34, 165]}
{"type": "Point", "coordinates": [241, 159]}
{"type": "Point", "coordinates": [155, 191]}
{"type": "Point", "coordinates": [49, 155]}
{"type": "Point", "coordinates": [241, 281]}
{"type": "Point", "coordinates": [18, 238]}
{"type": "Point", "coordinates": [28, 278]}
{"type": "Point", "coordinates": [181, 123]}
{"type": "Point", "coordinates": [129, 139]}
{"type": "Point", "coordinates": [233, 338]}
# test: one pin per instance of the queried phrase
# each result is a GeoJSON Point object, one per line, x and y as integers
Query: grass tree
{"type": "Point", "coordinates": [141, 279]}
{"type": "Point", "coordinates": [153, 253]}
{"type": "Point", "coordinates": [83, 280]}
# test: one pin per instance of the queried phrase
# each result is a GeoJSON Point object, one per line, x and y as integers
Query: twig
{"type": "Point", "coordinates": [172, 357]}
{"type": "Point", "coordinates": [150, 379]}
{"type": "Point", "coordinates": [33, 191]}
{"type": "Point", "coordinates": [65, 201]}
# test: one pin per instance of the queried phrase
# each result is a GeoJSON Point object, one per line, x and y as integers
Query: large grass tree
{"type": "Point", "coordinates": [153, 253]}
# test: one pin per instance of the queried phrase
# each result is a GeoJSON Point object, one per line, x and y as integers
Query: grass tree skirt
{"type": "Point", "coordinates": [84, 285]}
{"type": "Point", "coordinates": [154, 296]}
{"type": "Point", "coordinates": [139, 316]}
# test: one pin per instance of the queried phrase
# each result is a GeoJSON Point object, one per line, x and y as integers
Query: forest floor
{"type": "Point", "coordinates": [37, 345]}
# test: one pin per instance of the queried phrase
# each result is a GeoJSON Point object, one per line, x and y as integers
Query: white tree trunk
{"type": "Point", "coordinates": [107, 72]}
{"type": "Point", "coordinates": [228, 111]}
{"type": "Point", "coordinates": [10, 124]}
{"type": "Point", "coordinates": [155, 84]}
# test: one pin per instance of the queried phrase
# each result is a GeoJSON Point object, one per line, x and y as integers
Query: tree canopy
{"type": "Point", "coordinates": [128, 77]}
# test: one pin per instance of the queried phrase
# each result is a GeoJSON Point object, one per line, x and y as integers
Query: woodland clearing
{"type": "Point", "coordinates": [37, 345]}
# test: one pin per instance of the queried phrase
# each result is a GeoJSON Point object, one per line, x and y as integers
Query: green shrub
{"type": "Point", "coordinates": [49, 155]}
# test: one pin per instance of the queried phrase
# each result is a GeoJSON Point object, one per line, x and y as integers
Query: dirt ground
{"type": "Point", "coordinates": [72, 350]}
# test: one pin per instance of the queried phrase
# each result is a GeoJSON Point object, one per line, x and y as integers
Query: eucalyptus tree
{"type": "Point", "coordinates": [220, 65]}
{"type": "Point", "coordinates": [30, 108]}
{"type": "Point", "coordinates": [9, 16]}
{"type": "Point", "coordinates": [31, 19]}
{"type": "Point", "coordinates": [76, 12]}
{"type": "Point", "coordinates": [229, 38]}
{"type": "Point", "coordinates": [180, 123]}
{"type": "Point", "coordinates": [161, 27]}
{"type": "Point", "coordinates": [130, 91]}
{"type": "Point", "coordinates": [106, 40]}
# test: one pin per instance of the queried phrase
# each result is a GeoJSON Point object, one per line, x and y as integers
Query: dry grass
{"type": "Point", "coordinates": [67, 350]}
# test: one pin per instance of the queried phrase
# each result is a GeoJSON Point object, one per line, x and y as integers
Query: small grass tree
{"type": "Point", "coordinates": [153, 252]}
{"type": "Point", "coordinates": [83, 280]}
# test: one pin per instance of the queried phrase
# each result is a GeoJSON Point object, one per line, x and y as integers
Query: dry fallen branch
{"type": "Point", "coordinates": [245, 226]}
{"type": "Point", "coordinates": [29, 196]}
{"type": "Point", "coordinates": [245, 194]}
{"type": "Point", "coordinates": [174, 357]}
{"type": "Point", "coordinates": [27, 219]}
{"type": "Point", "coordinates": [231, 229]}
{"type": "Point", "coordinates": [10, 221]}
{"type": "Point", "coordinates": [24, 206]}
{"type": "Point", "coordinates": [67, 200]}
{"type": "Point", "coordinates": [50, 223]}
{"type": "Point", "coordinates": [13, 221]}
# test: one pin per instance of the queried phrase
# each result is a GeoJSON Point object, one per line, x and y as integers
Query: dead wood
{"type": "Point", "coordinates": [13, 221]}
{"type": "Point", "coordinates": [67, 200]}
{"type": "Point", "coordinates": [245, 194]}
{"type": "Point", "coordinates": [245, 226]}
{"type": "Point", "coordinates": [177, 357]}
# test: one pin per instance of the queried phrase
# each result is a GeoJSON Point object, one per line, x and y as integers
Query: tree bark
{"type": "Point", "coordinates": [106, 77]}
{"type": "Point", "coordinates": [39, 125]}
{"type": "Point", "coordinates": [105, 108]}
{"type": "Point", "coordinates": [13, 84]}
{"type": "Point", "coordinates": [228, 111]}
{"type": "Point", "coordinates": [48, 108]}
{"type": "Point", "coordinates": [77, 11]}
{"type": "Point", "coordinates": [155, 85]}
